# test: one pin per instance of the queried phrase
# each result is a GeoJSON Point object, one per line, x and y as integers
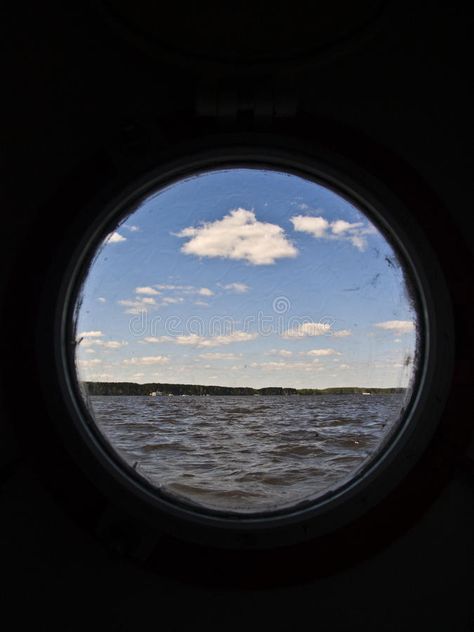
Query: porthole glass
{"type": "Point", "coordinates": [246, 339]}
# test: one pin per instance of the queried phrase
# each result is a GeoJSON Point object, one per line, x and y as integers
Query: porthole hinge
{"type": "Point", "coordinates": [254, 104]}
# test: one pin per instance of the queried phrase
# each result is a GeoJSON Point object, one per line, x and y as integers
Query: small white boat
{"type": "Point", "coordinates": [366, 393]}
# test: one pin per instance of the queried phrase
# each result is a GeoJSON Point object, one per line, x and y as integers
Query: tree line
{"type": "Point", "coordinates": [131, 388]}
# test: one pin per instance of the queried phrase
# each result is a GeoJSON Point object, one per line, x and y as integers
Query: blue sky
{"type": "Point", "coordinates": [246, 277]}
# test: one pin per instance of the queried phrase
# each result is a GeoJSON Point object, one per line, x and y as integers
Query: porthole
{"type": "Point", "coordinates": [251, 343]}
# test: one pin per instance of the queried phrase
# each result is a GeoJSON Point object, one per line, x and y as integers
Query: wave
{"type": "Point", "coordinates": [233, 454]}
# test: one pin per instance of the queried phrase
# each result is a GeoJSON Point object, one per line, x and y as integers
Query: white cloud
{"type": "Point", "coordinates": [344, 366]}
{"type": "Point", "coordinates": [205, 291]}
{"type": "Point", "coordinates": [89, 350]}
{"type": "Point", "coordinates": [101, 299]}
{"type": "Point", "coordinates": [280, 352]}
{"type": "Point", "coordinates": [105, 344]}
{"type": "Point", "coordinates": [88, 363]}
{"type": "Point", "coordinates": [398, 326]}
{"type": "Point", "coordinates": [144, 303]}
{"type": "Point", "coordinates": [204, 341]}
{"type": "Point", "coordinates": [316, 226]}
{"type": "Point", "coordinates": [237, 288]}
{"type": "Point", "coordinates": [144, 300]}
{"type": "Point", "coordinates": [238, 235]}
{"type": "Point", "coordinates": [308, 329]}
{"type": "Point", "coordinates": [340, 226]}
{"type": "Point", "coordinates": [167, 286]}
{"type": "Point", "coordinates": [320, 352]}
{"type": "Point", "coordinates": [146, 290]}
{"type": "Point", "coordinates": [101, 376]}
{"type": "Point", "coordinates": [114, 238]}
{"type": "Point", "coordinates": [183, 289]}
{"type": "Point", "coordinates": [146, 360]}
{"type": "Point", "coordinates": [132, 228]}
{"type": "Point", "coordinates": [219, 356]}
{"type": "Point", "coordinates": [112, 344]}
{"type": "Point", "coordinates": [138, 306]}
{"type": "Point", "coordinates": [282, 365]}
{"type": "Point", "coordinates": [359, 242]}
{"type": "Point", "coordinates": [321, 228]}
{"type": "Point", "coordinates": [342, 333]}
{"type": "Point", "coordinates": [90, 334]}
{"type": "Point", "coordinates": [87, 342]}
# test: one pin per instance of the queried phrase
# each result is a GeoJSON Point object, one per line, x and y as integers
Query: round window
{"type": "Point", "coordinates": [249, 342]}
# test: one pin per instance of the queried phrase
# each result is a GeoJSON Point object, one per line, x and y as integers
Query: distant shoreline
{"type": "Point", "coordinates": [132, 388]}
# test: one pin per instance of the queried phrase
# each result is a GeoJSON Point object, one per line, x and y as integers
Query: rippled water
{"type": "Point", "coordinates": [246, 453]}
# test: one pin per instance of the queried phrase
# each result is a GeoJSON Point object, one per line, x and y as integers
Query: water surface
{"type": "Point", "coordinates": [247, 454]}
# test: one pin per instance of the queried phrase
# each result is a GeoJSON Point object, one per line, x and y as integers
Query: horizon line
{"type": "Point", "coordinates": [250, 387]}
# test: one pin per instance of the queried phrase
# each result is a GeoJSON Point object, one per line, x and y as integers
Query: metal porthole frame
{"type": "Point", "coordinates": [346, 504]}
